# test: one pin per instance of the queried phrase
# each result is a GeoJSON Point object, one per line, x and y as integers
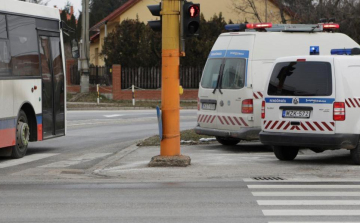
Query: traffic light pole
{"type": "Point", "coordinates": [170, 97]}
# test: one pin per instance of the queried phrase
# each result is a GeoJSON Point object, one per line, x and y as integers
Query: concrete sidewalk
{"type": "Point", "coordinates": [75, 106]}
{"type": "Point", "coordinates": [216, 162]}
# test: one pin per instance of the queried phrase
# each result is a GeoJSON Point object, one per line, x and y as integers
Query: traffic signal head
{"type": "Point", "coordinates": [155, 10]}
{"type": "Point", "coordinates": [191, 19]}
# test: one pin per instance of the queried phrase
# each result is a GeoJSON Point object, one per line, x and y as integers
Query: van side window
{"type": "Point", "coordinates": [211, 73]}
{"type": "Point", "coordinates": [4, 48]}
{"type": "Point", "coordinates": [234, 74]}
{"type": "Point", "coordinates": [23, 45]}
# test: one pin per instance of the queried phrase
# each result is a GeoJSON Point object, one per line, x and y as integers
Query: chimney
{"type": "Point", "coordinates": [72, 10]}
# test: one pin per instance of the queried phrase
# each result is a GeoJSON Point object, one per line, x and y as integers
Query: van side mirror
{"type": "Point", "coordinates": [75, 49]}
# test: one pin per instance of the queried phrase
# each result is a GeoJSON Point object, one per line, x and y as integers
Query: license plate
{"type": "Point", "coordinates": [296, 114]}
{"type": "Point", "coordinates": [206, 106]}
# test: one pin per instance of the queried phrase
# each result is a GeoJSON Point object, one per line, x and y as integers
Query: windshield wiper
{"type": "Point", "coordinates": [219, 81]}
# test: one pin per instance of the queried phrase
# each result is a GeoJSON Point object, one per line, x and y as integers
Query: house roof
{"type": "Point", "coordinates": [115, 14]}
{"type": "Point", "coordinates": [95, 37]}
{"type": "Point", "coordinates": [131, 3]}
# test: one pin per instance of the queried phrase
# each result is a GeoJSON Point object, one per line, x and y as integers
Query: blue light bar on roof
{"type": "Point", "coordinates": [341, 51]}
{"type": "Point", "coordinates": [235, 27]}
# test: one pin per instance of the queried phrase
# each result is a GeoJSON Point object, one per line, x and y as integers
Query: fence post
{"type": "Point", "coordinates": [116, 81]}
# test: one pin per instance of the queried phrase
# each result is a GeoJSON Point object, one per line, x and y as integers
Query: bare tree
{"type": "Point", "coordinates": [247, 7]}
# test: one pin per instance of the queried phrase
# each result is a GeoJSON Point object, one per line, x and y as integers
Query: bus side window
{"type": "Point", "coordinates": [23, 45]}
{"type": "Point", "coordinates": [4, 48]}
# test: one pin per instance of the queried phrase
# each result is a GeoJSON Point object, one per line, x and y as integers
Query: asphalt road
{"type": "Point", "coordinates": [53, 183]}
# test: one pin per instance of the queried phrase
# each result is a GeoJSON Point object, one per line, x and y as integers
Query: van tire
{"type": "Point", "coordinates": [227, 141]}
{"type": "Point", "coordinates": [285, 153]}
{"type": "Point", "coordinates": [22, 136]}
{"type": "Point", "coordinates": [355, 154]}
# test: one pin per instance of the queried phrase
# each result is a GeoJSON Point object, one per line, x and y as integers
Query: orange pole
{"type": "Point", "coordinates": [170, 97]}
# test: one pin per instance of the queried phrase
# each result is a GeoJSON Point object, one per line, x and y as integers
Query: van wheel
{"type": "Point", "coordinates": [227, 141]}
{"type": "Point", "coordinates": [355, 154]}
{"type": "Point", "coordinates": [285, 153]}
{"type": "Point", "coordinates": [22, 136]}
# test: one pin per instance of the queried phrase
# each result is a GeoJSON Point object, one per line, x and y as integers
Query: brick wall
{"type": "Point", "coordinates": [69, 64]}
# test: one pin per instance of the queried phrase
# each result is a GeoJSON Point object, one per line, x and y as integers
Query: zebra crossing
{"type": "Point", "coordinates": [312, 201]}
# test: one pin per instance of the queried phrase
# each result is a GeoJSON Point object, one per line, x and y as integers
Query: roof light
{"type": "Point", "coordinates": [331, 26]}
{"type": "Point", "coordinates": [341, 51]}
{"type": "Point", "coordinates": [235, 27]}
{"type": "Point", "coordinates": [301, 60]}
{"type": "Point", "coordinates": [258, 25]}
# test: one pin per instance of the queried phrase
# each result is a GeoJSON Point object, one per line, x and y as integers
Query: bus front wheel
{"type": "Point", "coordinates": [22, 136]}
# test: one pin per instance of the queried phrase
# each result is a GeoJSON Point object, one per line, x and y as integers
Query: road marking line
{"type": "Point", "coordinates": [112, 116]}
{"type": "Point", "coordinates": [306, 180]}
{"type": "Point", "coordinates": [311, 212]}
{"type": "Point", "coordinates": [306, 194]}
{"type": "Point", "coordinates": [304, 186]}
{"type": "Point", "coordinates": [313, 222]}
{"type": "Point", "coordinates": [26, 159]}
{"type": "Point", "coordinates": [76, 160]}
{"type": "Point", "coordinates": [308, 202]}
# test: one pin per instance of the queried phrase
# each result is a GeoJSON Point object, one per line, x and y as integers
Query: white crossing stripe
{"type": "Point", "coordinates": [282, 186]}
{"type": "Point", "coordinates": [76, 160]}
{"type": "Point", "coordinates": [306, 194]}
{"type": "Point", "coordinates": [311, 212]}
{"type": "Point", "coordinates": [26, 159]}
{"type": "Point", "coordinates": [308, 202]}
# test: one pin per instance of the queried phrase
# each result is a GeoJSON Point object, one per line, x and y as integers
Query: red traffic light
{"type": "Point", "coordinates": [194, 11]}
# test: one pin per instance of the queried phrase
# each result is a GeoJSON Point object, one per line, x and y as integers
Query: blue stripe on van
{"type": "Point", "coordinates": [316, 100]}
{"type": "Point", "coordinates": [279, 100]}
{"type": "Point", "coordinates": [217, 54]}
{"type": "Point", "coordinates": [237, 54]}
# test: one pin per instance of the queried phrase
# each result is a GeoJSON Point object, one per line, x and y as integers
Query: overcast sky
{"type": "Point", "coordinates": [61, 3]}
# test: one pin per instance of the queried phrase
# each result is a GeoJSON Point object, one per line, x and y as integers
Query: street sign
{"type": "Point", "coordinates": [158, 113]}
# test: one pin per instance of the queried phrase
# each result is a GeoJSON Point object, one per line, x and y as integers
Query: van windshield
{"type": "Point", "coordinates": [233, 74]}
{"type": "Point", "coordinates": [301, 79]}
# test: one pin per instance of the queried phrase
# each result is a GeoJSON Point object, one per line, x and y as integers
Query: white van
{"type": "Point", "coordinates": [233, 80]}
{"type": "Point", "coordinates": [312, 102]}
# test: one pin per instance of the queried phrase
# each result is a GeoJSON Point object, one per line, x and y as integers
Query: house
{"type": "Point", "coordinates": [138, 8]}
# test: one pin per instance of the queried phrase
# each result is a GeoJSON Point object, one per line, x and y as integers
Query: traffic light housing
{"type": "Point", "coordinates": [191, 19]}
{"type": "Point", "coordinates": [155, 25]}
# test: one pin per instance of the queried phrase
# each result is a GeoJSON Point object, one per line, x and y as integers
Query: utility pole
{"type": "Point", "coordinates": [170, 92]}
{"type": "Point", "coordinates": [85, 48]}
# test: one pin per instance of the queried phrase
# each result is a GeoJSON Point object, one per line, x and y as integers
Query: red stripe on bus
{"type": "Point", "coordinates": [332, 123]}
{"type": "Point", "coordinates": [7, 137]}
{"type": "Point", "coordinates": [205, 118]}
{"type": "Point", "coordinates": [319, 126]}
{"type": "Point", "coordinates": [237, 121]}
{"type": "Point", "coordinates": [255, 96]}
{"type": "Point", "coordinates": [303, 126]}
{"type": "Point", "coordinates": [208, 120]}
{"type": "Point", "coordinates": [310, 126]}
{"type": "Point", "coordinates": [233, 123]}
{"type": "Point", "coordinates": [40, 132]}
{"type": "Point", "coordinates": [199, 118]}
{"type": "Point", "coordinates": [225, 120]}
{"type": "Point", "coordinates": [269, 123]}
{"type": "Point", "coordinates": [352, 102]}
{"type": "Point", "coordinates": [220, 120]}
{"type": "Point", "coordinates": [242, 120]}
{"type": "Point", "coordinates": [293, 128]}
{"type": "Point", "coordinates": [275, 123]}
{"type": "Point", "coordinates": [297, 128]}
{"type": "Point", "coordinates": [261, 95]}
{"type": "Point", "coordinates": [327, 126]}
{"type": "Point", "coordinates": [281, 124]}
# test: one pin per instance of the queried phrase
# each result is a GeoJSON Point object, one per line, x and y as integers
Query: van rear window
{"type": "Point", "coordinates": [301, 79]}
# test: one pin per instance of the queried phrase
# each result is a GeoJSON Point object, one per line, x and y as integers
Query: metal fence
{"type": "Point", "coordinates": [150, 77]}
{"type": "Point", "coordinates": [100, 75]}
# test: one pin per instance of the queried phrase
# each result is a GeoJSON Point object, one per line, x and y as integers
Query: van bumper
{"type": "Point", "coordinates": [333, 141]}
{"type": "Point", "coordinates": [243, 133]}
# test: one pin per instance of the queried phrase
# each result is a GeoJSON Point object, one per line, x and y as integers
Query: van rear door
{"type": "Point", "coordinates": [300, 97]}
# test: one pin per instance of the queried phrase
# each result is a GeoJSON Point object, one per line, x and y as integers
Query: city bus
{"type": "Point", "coordinates": [32, 76]}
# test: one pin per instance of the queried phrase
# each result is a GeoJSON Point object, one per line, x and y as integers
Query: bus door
{"type": "Point", "coordinates": [53, 105]}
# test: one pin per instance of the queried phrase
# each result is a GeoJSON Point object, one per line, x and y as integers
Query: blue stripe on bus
{"type": "Point", "coordinates": [8, 123]}
{"type": "Point", "coordinates": [39, 119]}
{"type": "Point", "coordinates": [316, 100]}
{"type": "Point", "coordinates": [217, 54]}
